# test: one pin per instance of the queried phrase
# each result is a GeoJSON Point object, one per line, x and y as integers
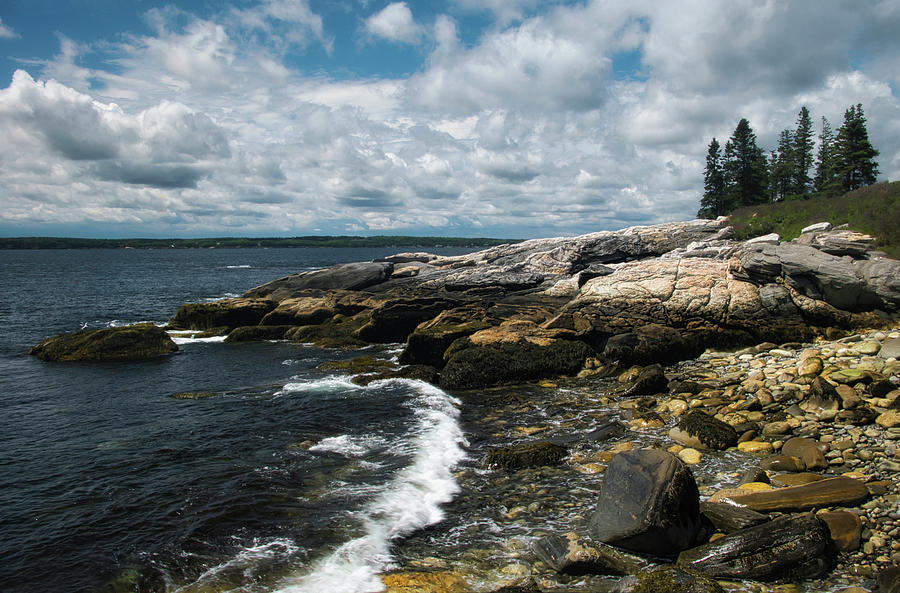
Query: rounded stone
{"type": "Point", "coordinates": [756, 447]}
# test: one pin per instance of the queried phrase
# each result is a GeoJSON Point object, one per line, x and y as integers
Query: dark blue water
{"type": "Point", "coordinates": [287, 479]}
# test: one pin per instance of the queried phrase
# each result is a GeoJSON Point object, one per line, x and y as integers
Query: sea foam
{"type": "Point", "coordinates": [411, 500]}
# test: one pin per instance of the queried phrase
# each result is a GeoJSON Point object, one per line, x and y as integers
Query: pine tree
{"type": "Point", "coordinates": [802, 154]}
{"type": "Point", "coordinates": [782, 168]}
{"type": "Point", "coordinates": [826, 181]}
{"type": "Point", "coordinates": [745, 169]}
{"type": "Point", "coordinates": [713, 204]}
{"type": "Point", "coordinates": [855, 155]}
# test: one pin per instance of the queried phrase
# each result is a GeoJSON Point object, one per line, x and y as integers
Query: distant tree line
{"type": "Point", "coordinates": [742, 175]}
{"type": "Point", "coordinates": [246, 242]}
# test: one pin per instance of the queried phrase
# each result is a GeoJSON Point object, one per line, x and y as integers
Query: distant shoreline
{"type": "Point", "coordinates": [248, 242]}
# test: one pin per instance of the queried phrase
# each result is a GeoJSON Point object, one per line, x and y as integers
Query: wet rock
{"type": "Point", "coordinates": [132, 342]}
{"type": "Point", "coordinates": [525, 455]}
{"type": "Point", "coordinates": [425, 582]}
{"type": "Point", "coordinates": [727, 517]}
{"type": "Point", "coordinates": [650, 343]}
{"type": "Point", "coordinates": [649, 381]}
{"type": "Point", "coordinates": [782, 463]}
{"type": "Point", "coordinates": [824, 493]}
{"type": "Point", "coordinates": [806, 449]}
{"type": "Point", "coordinates": [573, 555]}
{"type": "Point", "coordinates": [698, 429]}
{"type": "Point", "coordinates": [430, 340]}
{"type": "Point", "coordinates": [789, 547]}
{"type": "Point", "coordinates": [890, 348]}
{"type": "Point", "coordinates": [471, 365]}
{"type": "Point", "coordinates": [671, 579]}
{"type": "Point", "coordinates": [230, 313]}
{"type": "Point", "coordinates": [889, 580]}
{"type": "Point", "coordinates": [649, 503]}
{"type": "Point", "coordinates": [822, 396]}
{"type": "Point", "coordinates": [845, 529]}
{"type": "Point", "coordinates": [394, 319]}
{"type": "Point", "coordinates": [256, 333]}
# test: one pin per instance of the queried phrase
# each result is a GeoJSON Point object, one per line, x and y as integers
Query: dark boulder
{"type": "Point", "coordinates": [789, 547]}
{"type": "Point", "coordinates": [649, 503]}
{"type": "Point", "coordinates": [650, 381]}
{"type": "Point", "coordinates": [257, 333]}
{"type": "Point", "coordinates": [395, 319]}
{"type": "Point", "coordinates": [699, 429]}
{"type": "Point", "coordinates": [806, 449]}
{"type": "Point", "coordinates": [230, 313]}
{"type": "Point", "coordinates": [353, 276]}
{"type": "Point", "coordinates": [573, 555]}
{"type": "Point", "coordinates": [132, 342]}
{"type": "Point", "coordinates": [471, 366]}
{"type": "Point", "coordinates": [648, 344]}
{"type": "Point", "coordinates": [525, 455]}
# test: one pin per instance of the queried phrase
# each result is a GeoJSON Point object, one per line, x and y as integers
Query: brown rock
{"type": "Point", "coordinates": [782, 463]}
{"type": "Point", "coordinates": [796, 479]}
{"type": "Point", "coordinates": [425, 582]}
{"type": "Point", "coordinates": [845, 528]}
{"type": "Point", "coordinates": [828, 492]}
{"type": "Point", "coordinates": [806, 449]}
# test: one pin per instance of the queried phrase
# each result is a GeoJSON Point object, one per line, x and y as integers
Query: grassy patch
{"type": "Point", "coordinates": [874, 210]}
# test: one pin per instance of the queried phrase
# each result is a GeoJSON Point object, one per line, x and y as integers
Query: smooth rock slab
{"type": "Point", "coordinates": [576, 556]}
{"type": "Point", "coordinates": [828, 492]}
{"type": "Point", "coordinates": [792, 546]}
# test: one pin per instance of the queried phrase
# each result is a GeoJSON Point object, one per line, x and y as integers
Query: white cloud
{"type": "Point", "coordinates": [6, 32]}
{"type": "Point", "coordinates": [394, 22]}
{"type": "Point", "coordinates": [204, 126]}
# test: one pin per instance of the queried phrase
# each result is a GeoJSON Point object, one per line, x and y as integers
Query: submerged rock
{"type": "Point", "coordinates": [649, 503]}
{"type": "Point", "coordinates": [573, 555]}
{"type": "Point", "coordinates": [672, 579]}
{"type": "Point", "coordinates": [132, 342]}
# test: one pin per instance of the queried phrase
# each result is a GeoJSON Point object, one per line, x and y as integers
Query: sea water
{"type": "Point", "coordinates": [282, 478]}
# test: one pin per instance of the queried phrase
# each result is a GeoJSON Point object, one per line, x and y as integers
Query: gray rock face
{"type": "Point", "coordinates": [353, 276]}
{"type": "Point", "coordinates": [792, 546]}
{"type": "Point", "coordinates": [649, 503]}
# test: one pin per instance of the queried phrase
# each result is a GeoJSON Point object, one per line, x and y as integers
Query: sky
{"type": "Point", "coordinates": [469, 118]}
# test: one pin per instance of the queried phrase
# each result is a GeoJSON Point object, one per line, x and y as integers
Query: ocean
{"type": "Point", "coordinates": [285, 479]}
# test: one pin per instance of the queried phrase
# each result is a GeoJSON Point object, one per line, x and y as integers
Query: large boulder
{"type": "Point", "coordinates": [791, 546]}
{"type": "Point", "coordinates": [132, 342]}
{"type": "Point", "coordinates": [395, 319]}
{"type": "Point", "coordinates": [649, 503]}
{"type": "Point", "coordinates": [227, 313]}
{"type": "Point", "coordinates": [352, 276]}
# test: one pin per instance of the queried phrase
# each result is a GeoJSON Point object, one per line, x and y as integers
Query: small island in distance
{"type": "Point", "coordinates": [248, 242]}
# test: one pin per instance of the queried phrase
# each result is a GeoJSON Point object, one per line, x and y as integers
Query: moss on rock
{"type": "Point", "coordinates": [133, 342]}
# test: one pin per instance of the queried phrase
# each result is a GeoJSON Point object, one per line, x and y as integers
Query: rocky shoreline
{"type": "Point", "coordinates": [781, 360]}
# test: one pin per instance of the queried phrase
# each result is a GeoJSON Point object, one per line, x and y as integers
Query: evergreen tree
{"type": "Point", "coordinates": [713, 204]}
{"type": "Point", "coordinates": [802, 153]}
{"type": "Point", "coordinates": [856, 165]}
{"type": "Point", "coordinates": [782, 168]}
{"type": "Point", "coordinates": [745, 169]}
{"type": "Point", "coordinates": [826, 181]}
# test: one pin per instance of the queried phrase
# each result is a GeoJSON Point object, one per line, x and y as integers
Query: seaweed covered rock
{"type": "Point", "coordinates": [650, 380]}
{"type": "Point", "coordinates": [132, 342]}
{"type": "Point", "coordinates": [672, 579]}
{"type": "Point", "coordinates": [649, 503]}
{"type": "Point", "coordinates": [230, 313]}
{"type": "Point", "coordinates": [256, 333]}
{"type": "Point", "coordinates": [791, 546]}
{"type": "Point", "coordinates": [525, 455]}
{"type": "Point", "coordinates": [472, 364]}
{"type": "Point", "coordinates": [699, 429]}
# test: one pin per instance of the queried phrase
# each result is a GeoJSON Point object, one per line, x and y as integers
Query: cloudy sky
{"type": "Point", "coordinates": [504, 118]}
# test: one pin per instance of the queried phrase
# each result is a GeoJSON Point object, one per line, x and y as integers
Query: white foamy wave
{"type": "Point", "coordinates": [351, 446]}
{"type": "Point", "coordinates": [227, 295]}
{"type": "Point", "coordinates": [246, 563]}
{"type": "Point", "coordinates": [328, 384]}
{"type": "Point", "coordinates": [189, 339]}
{"type": "Point", "coordinates": [410, 501]}
{"type": "Point", "coordinates": [239, 267]}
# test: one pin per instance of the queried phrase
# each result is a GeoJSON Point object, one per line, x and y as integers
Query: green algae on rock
{"type": "Point", "coordinates": [132, 342]}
